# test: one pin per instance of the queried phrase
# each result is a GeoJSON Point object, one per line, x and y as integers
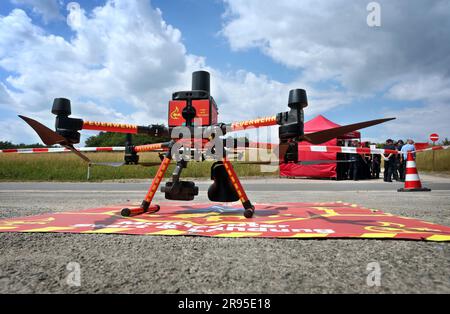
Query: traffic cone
{"type": "Point", "coordinates": [412, 180]}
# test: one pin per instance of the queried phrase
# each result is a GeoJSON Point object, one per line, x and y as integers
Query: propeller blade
{"type": "Point", "coordinates": [110, 164]}
{"type": "Point", "coordinates": [257, 162]}
{"type": "Point", "coordinates": [120, 164]}
{"type": "Point", "coordinates": [326, 135]}
{"type": "Point", "coordinates": [48, 136]}
{"type": "Point", "coordinates": [79, 154]}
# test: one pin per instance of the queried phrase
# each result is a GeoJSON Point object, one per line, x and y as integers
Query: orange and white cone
{"type": "Point", "coordinates": [412, 180]}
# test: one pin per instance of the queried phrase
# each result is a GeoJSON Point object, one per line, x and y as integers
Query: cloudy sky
{"type": "Point", "coordinates": [120, 60]}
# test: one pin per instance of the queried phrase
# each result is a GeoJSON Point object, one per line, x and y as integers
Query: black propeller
{"type": "Point", "coordinates": [50, 137]}
{"type": "Point", "coordinates": [120, 164]}
{"type": "Point", "coordinates": [326, 135]}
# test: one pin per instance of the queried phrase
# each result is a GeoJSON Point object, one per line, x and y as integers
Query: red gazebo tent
{"type": "Point", "coordinates": [319, 123]}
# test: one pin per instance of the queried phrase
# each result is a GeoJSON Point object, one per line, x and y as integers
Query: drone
{"type": "Point", "coordinates": [191, 113]}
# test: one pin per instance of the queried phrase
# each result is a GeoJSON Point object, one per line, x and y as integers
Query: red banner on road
{"type": "Point", "coordinates": [279, 220]}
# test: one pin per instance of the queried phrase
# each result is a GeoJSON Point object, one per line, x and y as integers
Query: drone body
{"type": "Point", "coordinates": [192, 113]}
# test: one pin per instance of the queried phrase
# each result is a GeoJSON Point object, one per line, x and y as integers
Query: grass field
{"type": "Point", "coordinates": [68, 167]}
{"type": "Point", "coordinates": [442, 161]}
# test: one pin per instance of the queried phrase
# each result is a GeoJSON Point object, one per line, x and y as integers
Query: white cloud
{"type": "Point", "coordinates": [112, 57]}
{"type": "Point", "coordinates": [329, 39]}
{"type": "Point", "coordinates": [16, 131]}
{"type": "Point", "coordinates": [48, 9]}
{"type": "Point", "coordinates": [432, 88]}
{"type": "Point", "coordinates": [5, 98]}
{"type": "Point", "coordinates": [124, 61]}
{"type": "Point", "coordinates": [124, 53]}
{"type": "Point", "coordinates": [246, 95]}
{"type": "Point", "coordinates": [419, 122]}
{"type": "Point", "coordinates": [430, 117]}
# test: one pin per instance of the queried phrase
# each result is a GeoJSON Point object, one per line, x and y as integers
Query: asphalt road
{"type": "Point", "coordinates": [252, 185]}
{"type": "Point", "coordinates": [153, 264]}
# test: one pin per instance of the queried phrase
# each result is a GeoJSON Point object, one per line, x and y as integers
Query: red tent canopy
{"type": "Point", "coordinates": [320, 123]}
{"type": "Point", "coordinates": [328, 170]}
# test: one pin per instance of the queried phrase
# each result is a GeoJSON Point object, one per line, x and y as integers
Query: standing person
{"type": "Point", "coordinates": [376, 166]}
{"type": "Point", "coordinates": [368, 162]}
{"type": "Point", "coordinates": [340, 166]}
{"type": "Point", "coordinates": [408, 147]}
{"type": "Point", "coordinates": [354, 164]}
{"type": "Point", "coordinates": [398, 161]}
{"type": "Point", "coordinates": [389, 161]}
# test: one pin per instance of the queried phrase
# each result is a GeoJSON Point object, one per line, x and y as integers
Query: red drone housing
{"type": "Point", "coordinates": [195, 107]}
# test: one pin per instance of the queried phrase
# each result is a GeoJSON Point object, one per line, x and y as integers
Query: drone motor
{"type": "Point", "coordinates": [65, 126]}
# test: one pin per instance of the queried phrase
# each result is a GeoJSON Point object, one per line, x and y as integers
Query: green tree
{"type": "Point", "coordinates": [9, 145]}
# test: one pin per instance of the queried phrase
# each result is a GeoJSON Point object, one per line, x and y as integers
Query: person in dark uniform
{"type": "Point", "coordinates": [398, 162]}
{"type": "Point", "coordinates": [367, 162]}
{"type": "Point", "coordinates": [389, 161]}
{"type": "Point", "coordinates": [354, 163]}
{"type": "Point", "coordinates": [376, 166]}
{"type": "Point", "coordinates": [341, 172]}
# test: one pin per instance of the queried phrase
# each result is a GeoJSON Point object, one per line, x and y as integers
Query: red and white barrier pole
{"type": "Point", "coordinates": [59, 150]}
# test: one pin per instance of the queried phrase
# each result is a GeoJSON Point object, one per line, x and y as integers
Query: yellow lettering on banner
{"type": "Point", "coordinates": [327, 210]}
{"type": "Point", "coordinates": [8, 228]}
{"type": "Point", "coordinates": [49, 229]}
{"type": "Point", "coordinates": [378, 235]}
{"type": "Point", "coordinates": [391, 227]}
{"type": "Point", "coordinates": [438, 237]}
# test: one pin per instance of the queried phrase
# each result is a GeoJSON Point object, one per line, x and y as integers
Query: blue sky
{"type": "Point", "coordinates": [115, 61]}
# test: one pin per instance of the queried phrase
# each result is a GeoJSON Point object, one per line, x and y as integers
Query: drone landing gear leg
{"type": "Point", "coordinates": [249, 208]}
{"type": "Point", "coordinates": [145, 206]}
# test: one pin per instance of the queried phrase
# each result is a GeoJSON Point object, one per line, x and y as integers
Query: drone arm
{"type": "Point", "coordinates": [110, 127]}
{"type": "Point", "coordinates": [255, 123]}
{"type": "Point", "coordinates": [154, 130]}
{"type": "Point", "coordinates": [151, 147]}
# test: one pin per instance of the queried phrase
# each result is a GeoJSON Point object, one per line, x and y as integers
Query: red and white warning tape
{"type": "Point", "coordinates": [433, 148]}
{"type": "Point", "coordinates": [360, 150]}
{"type": "Point", "coordinates": [312, 148]}
{"type": "Point", "coordinates": [344, 149]}
{"type": "Point", "coordinates": [61, 150]}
